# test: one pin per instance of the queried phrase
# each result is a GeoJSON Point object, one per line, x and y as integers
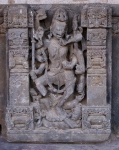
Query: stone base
{"type": "Point", "coordinates": [95, 127]}
{"type": "Point", "coordinates": [57, 136]}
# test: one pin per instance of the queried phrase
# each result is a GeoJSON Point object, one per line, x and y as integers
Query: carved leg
{"type": "Point", "coordinates": [67, 93]}
{"type": "Point", "coordinates": [40, 84]}
{"type": "Point", "coordinates": [81, 83]}
{"type": "Point", "coordinates": [72, 124]}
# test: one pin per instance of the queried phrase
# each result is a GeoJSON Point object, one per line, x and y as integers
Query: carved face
{"type": "Point", "coordinates": [58, 29]}
{"type": "Point", "coordinates": [40, 32]}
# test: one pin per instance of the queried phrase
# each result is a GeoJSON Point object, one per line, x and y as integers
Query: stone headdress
{"type": "Point", "coordinates": [60, 15]}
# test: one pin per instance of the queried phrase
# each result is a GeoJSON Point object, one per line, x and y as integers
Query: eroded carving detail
{"type": "Point", "coordinates": [96, 37]}
{"type": "Point", "coordinates": [17, 17]}
{"type": "Point", "coordinates": [96, 16]}
{"type": "Point", "coordinates": [18, 89]}
{"type": "Point", "coordinates": [19, 118]}
{"type": "Point", "coordinates": [96, 80]}
{"type": "Point", "coordinates": [96, 83]}
{"type": "Point", "coordinates": [94, 118]}
{"type": "Point", "coordinates": [96, 61]}
{"type": "Point", "coordinates": [18, 50]}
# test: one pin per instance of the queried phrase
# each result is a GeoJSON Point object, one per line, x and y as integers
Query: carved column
{"type": "Point", "coordinates": [97, 19]}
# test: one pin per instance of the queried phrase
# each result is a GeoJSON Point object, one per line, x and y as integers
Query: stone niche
{"type": "Point", "coordinates": [58, 73]}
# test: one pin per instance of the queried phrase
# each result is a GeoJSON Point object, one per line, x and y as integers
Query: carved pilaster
{"type": "Point", "coordinates": [97, 19]}
{"type": "Point", "coordinates": [96, 66]}
{"type": "Point", "coordinates": [16, 21]}
{"type": "Point", "coordinates": [97, 114]}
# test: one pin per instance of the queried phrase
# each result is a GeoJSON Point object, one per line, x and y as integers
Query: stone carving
{"type": "Point", "coordinates": [18, 61]}
{"type": "Point", "coordinates": [96, 37]}
{"type": "Point", "coordinates": [97, 19]}
{"type": "Point", "coordinates": [30, 18]}
{"type": "Point", "coordinates": [39, 16]}
{"type": "Point", "coordinates": [96, 80]}
{"type": "Point", "coordinates": [96, 61]}
{"type": "Point", "coordinates": [18, 50]}
{"type": "Point", "coordinates": [53, 96]}
{"type": "Point", "coordinates": [17, 17]}
{"type": "Point", "coordinates": [16, 122]}
{"type": "Point", "coordinates": [97, 83]}
{"type": "Point", "coordinates": [18, 53]}
{"type": "Point", "coordinates": [101, 16]}
{"type": "Point", "coordinates": [58, 75]}
{"type": "Point", "coordinates": [94, 118]}
{"type": "Point", "coordinates": [18, 89]}
{"type": "Point", "coordinates": [18, 38]}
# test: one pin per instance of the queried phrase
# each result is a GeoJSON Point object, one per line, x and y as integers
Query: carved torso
{"type": "Point", "coordinates": [57, 54]}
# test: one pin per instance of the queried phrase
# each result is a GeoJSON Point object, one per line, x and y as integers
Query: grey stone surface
{"type": "Point", "coordinates": [97, 54]}
{"type": "Point", "coordinates": [26, 127]}
{"type": "Point", "coordinates": [47, 73]}
{"type": "Point", "coordinates": [109, 145]}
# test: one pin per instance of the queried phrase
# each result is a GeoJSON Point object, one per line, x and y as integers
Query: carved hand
{"type": "Point", "coordinates": [63, 42]}
{"type": "Point", "coordinates": [79, 69]}
{"type": "Point", "coordinates": [67, 65]}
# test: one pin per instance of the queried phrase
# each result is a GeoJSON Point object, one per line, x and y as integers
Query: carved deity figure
{"type": "Point", "coordinates": [64, 67]}
{"type": "Point", "coordinates": [40, 53]}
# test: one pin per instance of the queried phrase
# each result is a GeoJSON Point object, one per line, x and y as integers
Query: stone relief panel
{"type": "Point", "coordinates": [56, 83]}
{"type": "Point", "coordinates": [54, 74]}
{"type": "Point", "coordinates": [102, 19]}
